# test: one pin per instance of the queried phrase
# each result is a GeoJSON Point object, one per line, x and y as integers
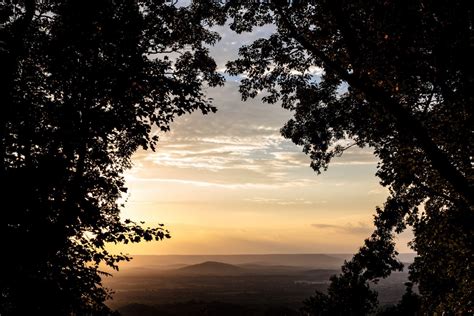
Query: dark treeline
{"type": "Point", "coordinates": [82, 85]}
{"type": "Point", "coordinates": [398, 78]}
{"type": "Point", "coordinates": [84, 82]}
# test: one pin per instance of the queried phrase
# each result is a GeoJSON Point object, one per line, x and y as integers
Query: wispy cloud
{"type": "Point", "coordinates": [359, 228]}
{"type": "Point", "coordinates": [245, 185]}
{"type": "Point", "coordinates": [263, 200]}
{"type": "Point", "coordinates": [378, 191]}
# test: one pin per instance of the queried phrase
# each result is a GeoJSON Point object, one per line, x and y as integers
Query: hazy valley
{"type": "Point", "coordinates": [230, 285]}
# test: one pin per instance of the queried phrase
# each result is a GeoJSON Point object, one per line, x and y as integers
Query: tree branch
{"type": "Point", "coordinates": [405, 122]}
{"type": "Point", "coordinates": [9, 57]}
{"type": "Point", "coordinates": [21, 25]}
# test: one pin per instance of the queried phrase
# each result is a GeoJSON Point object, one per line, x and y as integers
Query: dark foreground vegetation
{"type": "Point", "coordinates": [200, 308]}
{"type": "Point", "coordinates": [396, 78]}
{"type": "Point", "coordinates": [83, 82]}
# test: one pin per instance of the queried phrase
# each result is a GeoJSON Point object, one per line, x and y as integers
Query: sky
{"type": "Point", "coordinates": [229, 183]}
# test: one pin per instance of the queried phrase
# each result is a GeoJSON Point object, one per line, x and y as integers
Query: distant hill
{"type": "Point", "coordinates": [211, 268]}
{"type": "Point", "coordinates": [311, 261]}
{"type": "Point", "coordinates": [307, 261]}
{"type": "Point", "coordinates": [407, 257]}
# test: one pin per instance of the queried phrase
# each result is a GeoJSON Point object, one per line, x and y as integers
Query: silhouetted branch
{"type": "Point", "coordinates": [404, 120]}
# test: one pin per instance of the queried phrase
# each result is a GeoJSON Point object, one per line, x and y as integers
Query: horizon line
{"type": "Point", "coordinates": [260, 254]}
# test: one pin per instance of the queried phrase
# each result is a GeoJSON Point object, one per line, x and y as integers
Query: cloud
{"type": "Point", "coordinates": [244, 185]}
{"type": "Point", "coordinates": [378, 191]}
{"type": "Point", "coordinates": [263, 200]}
{"type": "Point", "coordinates": [219, 153]}
{"type": "Point", "coordinates": [239, 146]}
{"type": "Point", "coordinates": [359, 228]}
{"type": "Point", "coordinates": [354, 157]}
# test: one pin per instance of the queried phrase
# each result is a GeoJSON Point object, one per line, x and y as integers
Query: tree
{"type": "Point", "coordinates": [409, 304]}
{"type": "Point", "coordinates": [348, 294]}
{"type": "Point", "coordinates": [82, 85]}
{"type": "Point", "coordinates": [395, 76]}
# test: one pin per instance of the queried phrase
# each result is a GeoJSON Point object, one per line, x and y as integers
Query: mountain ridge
{"type": "Point", "coordinates": [211, 268]}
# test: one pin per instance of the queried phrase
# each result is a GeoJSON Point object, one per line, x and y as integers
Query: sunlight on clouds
{"type": "Point", "coordinates": [279, 201]}
{"type": "Point", "coordinates": [230, 183]}
{"type": "Point", "coordinates": [360, 228]}
{"type": "Point", "coordinates": [243, 186]}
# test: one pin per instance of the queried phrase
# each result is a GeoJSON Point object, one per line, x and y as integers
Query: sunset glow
{"type": "Point", "coordinates": [229, 183]}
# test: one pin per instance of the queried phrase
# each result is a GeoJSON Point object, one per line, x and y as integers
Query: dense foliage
{"type": "Point", "coordinates": [396, 76]}
{"type": "Point", "coordinates": [348, 294]}
{"type": "Point", "coordinates": [82, 85]}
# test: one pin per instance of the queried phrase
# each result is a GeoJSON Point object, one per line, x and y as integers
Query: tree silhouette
{"type": "Point", "coordinates": [83, 84]}
{"type": "Point", "coordinates": [348, 294]}
{"type": "Point", "coordinates": [395, 76]}
{"type": "Point", "coordinates": [409, 304]}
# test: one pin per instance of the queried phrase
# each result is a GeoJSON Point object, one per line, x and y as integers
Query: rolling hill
{"type": "Point", "coordinates": [211, 268]}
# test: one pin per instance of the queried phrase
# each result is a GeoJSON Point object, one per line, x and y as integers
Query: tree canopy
{"type": "Point", "coordinates": [396, 77]}
{"type": "Point", "coordinates": [83, 86]}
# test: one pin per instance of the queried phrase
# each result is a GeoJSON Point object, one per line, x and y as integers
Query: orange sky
{"type": "Point", "coordinates": [228, 183]}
